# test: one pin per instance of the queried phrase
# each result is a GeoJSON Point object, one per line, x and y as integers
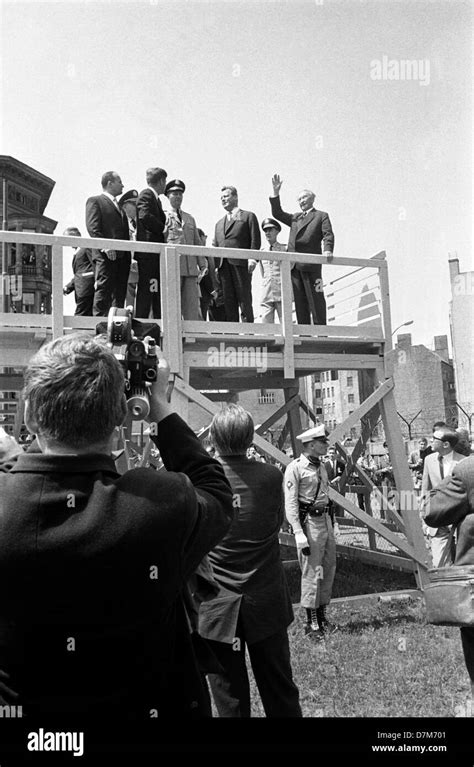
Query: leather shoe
{"type": "Point", "coordinates": [329, 628]}
{"type": "Point", "coordinates": [315, 635]}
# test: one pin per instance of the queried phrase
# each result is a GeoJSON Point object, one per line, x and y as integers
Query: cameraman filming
{"type": "Point", "coordinates": [93, 563]}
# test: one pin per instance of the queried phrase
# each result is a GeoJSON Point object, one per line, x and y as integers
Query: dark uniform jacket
{"type": "Point", "coordinates": [306, 233]}
{"type": "Point", "coordinates": [452, 503]}
{"type": "Point", "coordinates": [246, 563]}
{"type": "Point", "coordinates": [104, 220]}
{"type": "Point", "coordinates": [92, 565]}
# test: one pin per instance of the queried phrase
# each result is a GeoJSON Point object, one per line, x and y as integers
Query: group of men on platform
{"type": "Point", "coordinates": [218, 289]}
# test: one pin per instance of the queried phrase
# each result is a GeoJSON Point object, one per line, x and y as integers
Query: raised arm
{"type": "Point", "coordinates": [277, 211]}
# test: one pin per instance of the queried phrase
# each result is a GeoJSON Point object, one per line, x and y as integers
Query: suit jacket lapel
{"type": "Point", "coordinates": [228, 225]}
{"type": "Point", "coordinates": [113, 206]}
{"type": "Point", "coordinates": [304, 221]}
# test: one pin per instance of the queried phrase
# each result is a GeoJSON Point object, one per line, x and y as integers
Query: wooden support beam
{"type": "Point", "coordinates": [287, 320]}
{"type": "Point", "coordinates": [404, 481]}
{"type": "Point", "coordinates": [375, 525]}
{"type": "Point", "coordinates": [294, 422]}
{"type": "Point", "coordinates": [362, 410]}
{"type": "Point", "coordinates": [57, 320]}
{"type": "Point", "coordinates": [294, 400]}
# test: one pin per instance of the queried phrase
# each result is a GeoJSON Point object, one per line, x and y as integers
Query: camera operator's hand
{"type": "Point", "coordinates": [160, 408]}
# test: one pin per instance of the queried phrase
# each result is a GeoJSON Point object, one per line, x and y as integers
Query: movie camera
{"type": "Point", "coordinates": [138, 356]}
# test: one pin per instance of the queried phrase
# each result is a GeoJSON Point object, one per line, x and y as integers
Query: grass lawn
{"type": "Point", "coordinates": [385, 661]}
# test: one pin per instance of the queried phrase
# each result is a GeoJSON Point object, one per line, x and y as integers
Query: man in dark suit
{"type": "Point", "coordinates": [93, 563]}
{"type": "Point", "coordinates": [82, 283]}
{"type": "Point", "coordinates": [253, 606]}
{"type": "Point", "coordinates": [307, 230]}
{"type": "Point", "coordinates": [238, 229]}
{"type": "Point", "coordinates": [151, 221]}
{"type": "Point", "coordinates": [335, 469]}
{"type": "Point", "coordinates": [106, 220]}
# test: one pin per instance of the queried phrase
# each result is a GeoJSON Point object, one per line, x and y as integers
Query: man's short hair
{"type": "Point", "coordinates": [232, 430]}
{"type": "Point", "coordinates": [75, 390]}
{"type": "Point", "coordinates": [307, 191]}
{"type": "Point", "coordinates": [439, 425]}
{"type": "Point", "coordinates": [107, 177]}
{"type": "Point", "coordinates": [231, 189]}
{"type": "Point", "coordinates": [153, 175]}
{"type": "Point", "coordinates": [447, 435]}
{"type": "Point", "coordinates": [72, 231]}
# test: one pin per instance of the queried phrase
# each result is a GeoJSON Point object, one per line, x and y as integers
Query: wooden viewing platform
{"type": "Point", "coordinates": [209, 356]}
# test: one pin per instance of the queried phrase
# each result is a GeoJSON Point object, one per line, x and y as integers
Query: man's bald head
{"type": "Point", "coordinates": [306, 199]}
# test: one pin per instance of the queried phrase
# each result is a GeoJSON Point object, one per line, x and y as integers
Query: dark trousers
{"type": "Point", "coordinates": [237, 289]}
{"type": "Point", "coordinates": [148, 287]}
{"type": "Point", "coordinates": [303, 313]}
{"type": "Point", "coordinates": [84, 304]}
{"type": "Point", "coordinates": [270, 659]}
{"type": "Point", "coordinates": [111, 279]}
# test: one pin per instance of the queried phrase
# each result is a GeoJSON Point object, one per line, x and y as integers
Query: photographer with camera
{"type": "Point", "coordinates": [308, 511]}
{"type": "Point", "coordinates": [93, 563]}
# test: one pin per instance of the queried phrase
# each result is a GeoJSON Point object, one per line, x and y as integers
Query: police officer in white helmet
{"type": "Point", "coordinates": [307, 511]}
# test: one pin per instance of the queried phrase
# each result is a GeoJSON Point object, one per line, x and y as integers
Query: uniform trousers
{"type": "Point", "coordinates": [269, 309]}
{"type": "Point", "coordinates": [271, 666]}
{"type": "Point", "coordinates": [237, 290]}
{"type": "Point", "coordinates": [319, 567]}
{"type": "Point", "coordinates": [303, 312]}
{"type": "Point", "coordinates": [111, 279]}
{"type": "Point", "coordinates": [84, 303]}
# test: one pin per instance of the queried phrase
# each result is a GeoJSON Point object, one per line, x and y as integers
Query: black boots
{"type": "Point", "coordinates": [325, 626]}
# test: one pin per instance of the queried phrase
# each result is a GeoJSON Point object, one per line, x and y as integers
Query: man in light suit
{"type": "Point", "coordinates": [106, 220]}
{"type": "Point", "coordinates": [438, 465]}
{"type": "Point", "coordinates": [181, 229]}
{"type": "Point", "coordinates": [238, 229]}
{"type": "Point", "coordinates": [151, 222]}
{"type": "Point", "coordinates": [308, 229]}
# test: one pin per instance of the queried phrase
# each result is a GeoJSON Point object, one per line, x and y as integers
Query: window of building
{"type": "Point", "coordinates": [332, 391]}
{"type": "Point", "coordinates": [333, 408]}
{"type": "Point", "coordinates": [350, 398]}
{"type": "Point", "coordinates": [334, 375]}
{"type": "Point", "coordinates": [266, 398]}
{"type": "Point", "coordinates": [353, 433]}
{"type": "Point", "coordinates": [350, 380]}
{"type": "Point", "coordinates": [317, 393]}
{"type": "Point", "coordinates": [319, 411]}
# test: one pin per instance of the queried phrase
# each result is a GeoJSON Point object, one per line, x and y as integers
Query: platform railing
{"type": "Point", "coordinates": [174, 328]}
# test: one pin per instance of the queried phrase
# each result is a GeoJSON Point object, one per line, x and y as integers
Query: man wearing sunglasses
{"type": "Point", "coordinates": [307, 510]}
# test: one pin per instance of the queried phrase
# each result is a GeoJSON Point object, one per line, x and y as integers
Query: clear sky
{"type": "Point", "coordinates": [232, 92]}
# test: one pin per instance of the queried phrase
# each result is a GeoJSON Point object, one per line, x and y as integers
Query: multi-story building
{"type": "Point", "coordinates": [26, 269]}
{"type": "Point", "coordinates": [461, 316]}
{"type": "Point", "coordinates": [425, 390]}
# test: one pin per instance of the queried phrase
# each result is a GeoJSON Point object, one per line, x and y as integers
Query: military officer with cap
{"type": "Point", "coordinates": [307, 511]}
{"type": "Point", "coordinates": [181, 229]}
{"type": "Point", "coordinates": [270, 300]}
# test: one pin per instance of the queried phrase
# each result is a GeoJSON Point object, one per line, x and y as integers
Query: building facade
{"type": "Point", "coordinates": [461, 319]}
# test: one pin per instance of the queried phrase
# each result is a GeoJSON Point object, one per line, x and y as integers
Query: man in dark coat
{"type": "Point", "coordinates": [83, 281]}
{"type": "Point", "coordinates": [452, 503]}
{"type": "Point", "coordinates": [151, 221]}
{"type": "Point", "coordinates": [253, 606]}
{"type": "Point", "coordinates": [92, 563]}
{"type": "Point", "coordinates": [106, 220]}
{"type": "Point", "coordinates": [238, 229]}
{"type": "Point", "coordinates": [308, 229]}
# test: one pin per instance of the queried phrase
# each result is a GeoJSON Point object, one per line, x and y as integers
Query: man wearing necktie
{"type": "Point", "coordinates": [128, 203]}
{"type": "Point", "coordinates": [237, 229]}
{"type": "Point", "coordinates": [105, 219]}
{"type": "Point", "coordinates": [181, 229]}
{"type": "Point", "coordinates": [307, 509]}
{"type": "Point", "coordinates": [439, 465]}
{"type": "Point", "coordinates": [308, 229]}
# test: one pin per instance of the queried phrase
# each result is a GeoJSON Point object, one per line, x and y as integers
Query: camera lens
{"type": "Point", "coordinates": [150, 374]}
